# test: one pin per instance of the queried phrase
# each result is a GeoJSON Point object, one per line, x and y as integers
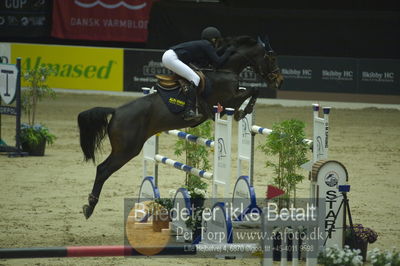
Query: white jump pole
{"type": "Point", "coordinates": [149, 187]}
{"type": "Point", "coordinates": [221, 173]}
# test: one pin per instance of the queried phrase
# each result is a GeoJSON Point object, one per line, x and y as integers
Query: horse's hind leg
{"type": "Point", "coordinates": [103, 172]}
{"type": "Point", "coordinates": [122, 152]}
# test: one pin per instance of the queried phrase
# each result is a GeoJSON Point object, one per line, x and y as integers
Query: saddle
{"type": "Point", "coordinates": [171, 87]}
{"type": "Point", "coordinates": [170, 82]}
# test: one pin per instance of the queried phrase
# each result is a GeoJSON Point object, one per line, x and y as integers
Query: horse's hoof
{"type": "Point", "coordinates": [239, 115]}
{"type": "Point", "coordinates": [248, 109]}
{"type": "Point", "coordinates": [87, 211]}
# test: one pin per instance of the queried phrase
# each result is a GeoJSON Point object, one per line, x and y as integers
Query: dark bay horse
{"type": "Point", "coordinates": [132, 124]}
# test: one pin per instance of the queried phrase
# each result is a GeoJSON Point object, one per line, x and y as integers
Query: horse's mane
{"type": "Point", "coordinates": [239, 41]}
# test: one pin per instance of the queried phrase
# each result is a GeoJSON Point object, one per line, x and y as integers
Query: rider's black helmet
{"type": "Point", "coordinates": [210, 33]}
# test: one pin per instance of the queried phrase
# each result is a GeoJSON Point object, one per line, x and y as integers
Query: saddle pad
{"type": "Point", "coordinates": [173, 98]}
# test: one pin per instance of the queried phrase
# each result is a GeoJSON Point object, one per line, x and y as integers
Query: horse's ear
{"type": "Point", "coordinates": [260, 41]}
{"type": "Point", "coordinates": [267, 45]}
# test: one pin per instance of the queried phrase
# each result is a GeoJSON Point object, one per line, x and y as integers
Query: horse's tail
{"type": "Point", "coordinates": [92, 129]}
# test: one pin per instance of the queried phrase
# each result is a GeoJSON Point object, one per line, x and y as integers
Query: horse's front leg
{"type": "Point", "coordinates": [241, 97]}
{"type": "Point", "coordinates": [250, 106]}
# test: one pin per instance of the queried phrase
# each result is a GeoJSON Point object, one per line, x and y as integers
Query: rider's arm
{"type": "Point", "coordinates": [214, 58]}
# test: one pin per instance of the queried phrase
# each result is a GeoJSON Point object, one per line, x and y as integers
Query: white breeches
{"type": "Point", "coordinates": [171, 61]}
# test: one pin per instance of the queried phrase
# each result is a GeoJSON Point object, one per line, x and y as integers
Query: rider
{"type": "Point", "coordinates": [201, 53]}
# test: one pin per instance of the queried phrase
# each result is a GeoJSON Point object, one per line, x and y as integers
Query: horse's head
{"type": "Point", "coordinates": [269, 69]}
{"type": "Point", "coordinates": [259, 55]}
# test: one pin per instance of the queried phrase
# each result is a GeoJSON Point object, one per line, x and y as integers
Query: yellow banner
{"type": "Point", "coordinates": [74, 67]}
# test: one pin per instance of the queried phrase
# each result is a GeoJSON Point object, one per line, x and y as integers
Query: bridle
{"type": "Point", "coordinates": [273, 74]}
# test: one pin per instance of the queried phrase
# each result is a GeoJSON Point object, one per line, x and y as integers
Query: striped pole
{"type": "Point", "coordinates": [192, 138]}
{"type": "Point", "coordinates": [261, 130]}
{"type": "Point", "coordinates": [119, 251]}
{"type": "Point", "coordinates": [183, 167]}
{"type": "Point", "coordinates": [267, 131]}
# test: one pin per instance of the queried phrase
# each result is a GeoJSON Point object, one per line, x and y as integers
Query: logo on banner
{"type": "Point", "coordinates": [221, 149]}
{"type": "Point", "coordinates": [155, 68]}
{"type": "Point", "coordinates": [83, 67]}
{"type": "Point", "coordinates": [248, 78]}
{"type": "Point", "coordinates": [248, 74]}
{"type": "Point", "coordinates": [337, 75]}
{"type": "Point", "coordinates": [109, 6]}
{"type": "Point", "coordinates": [331, 179]}
{"type": "Point", "coordinates": [377, 76]}
{"type": "Point", "coordinates": [293, 73]}
{"type": "Point", "coordinates": [106, 20]}
{"type": "Point", "coordinates": [8, 82]}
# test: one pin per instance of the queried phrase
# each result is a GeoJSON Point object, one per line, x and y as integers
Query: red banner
{"type": "Point", "coordinates": [102, 20]}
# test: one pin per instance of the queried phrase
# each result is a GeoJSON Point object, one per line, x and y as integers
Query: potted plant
{"type": "Point", "coordinates": [160, 210]}
{"type": "Point", "coordinates": [358, 237]}
{"type": "Point", "coordinates": [35, 136]}
{"type": "Point", "coordinates": [287, 143]}
{"type": "Point", "coordinates": [195, 222]}
{"type": "Point", "coordinates": [196, 156]}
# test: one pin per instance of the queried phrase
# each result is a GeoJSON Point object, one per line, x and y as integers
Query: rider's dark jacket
{"type": "Point", "coordinates": [200, 53]}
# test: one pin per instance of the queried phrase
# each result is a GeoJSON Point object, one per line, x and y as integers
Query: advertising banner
{"type": "Point", "coordinates": [344, 75]}
{"type": "Point", "coordinates": [74, 67]}
{"type": "Point", "coordinates": [140, 67]}
{"type": "Point", "coordinates": [105, 20]}
{"type": "Point", "coordinates": [379, 76]}
{"type": "Point", "coordinates": [29, 18]}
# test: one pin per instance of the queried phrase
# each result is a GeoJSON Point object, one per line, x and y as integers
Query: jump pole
{"type": "Point", "coordinates": [116, 251]}
{"type": "Point", "coordinates": [247, 130]}
{"type": "Point", "coordinates": [222, 153]}
{"type": "Point", "coordinates": [220, 175]}
{"type": "Point", "coordinates": [321, 169]}
{"type": "Point", "coordinates": [149, 187]}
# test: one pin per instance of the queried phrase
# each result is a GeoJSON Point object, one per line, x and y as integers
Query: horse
{"type": "Point", "coordinates": [130, 125]}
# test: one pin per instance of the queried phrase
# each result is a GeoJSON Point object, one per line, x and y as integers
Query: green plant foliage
{"type": "Point", "coordinates": [194, 221]}
{"type": "Point", "coordinates": [196, 156]}
{"type": "Point", "coordinates": [166, 203]}
{"type": "Point", "coordinates": [287, 142]}
{"type": "Point", "coordinates": [35, 134]}
{"type": "Point", "coordinates": [37, 90]}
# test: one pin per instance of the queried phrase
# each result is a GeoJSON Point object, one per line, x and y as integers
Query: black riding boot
{"type": "Point", "coordinates": [190, 112]}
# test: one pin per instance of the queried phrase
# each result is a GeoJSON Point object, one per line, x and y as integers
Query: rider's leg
{"type": "Point", "coordinates": [171, 61]}
{"type": "Point", "coordinates": [190, 112]}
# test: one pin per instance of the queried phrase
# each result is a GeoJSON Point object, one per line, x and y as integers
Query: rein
{"type": "Point", "coordinates": [253, 63]}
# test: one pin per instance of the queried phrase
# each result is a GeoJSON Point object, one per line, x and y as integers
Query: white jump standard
{"type": "Point", "coordinates": [243, 193]}
{"type": "Point", "coordinates": [220, 175]}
